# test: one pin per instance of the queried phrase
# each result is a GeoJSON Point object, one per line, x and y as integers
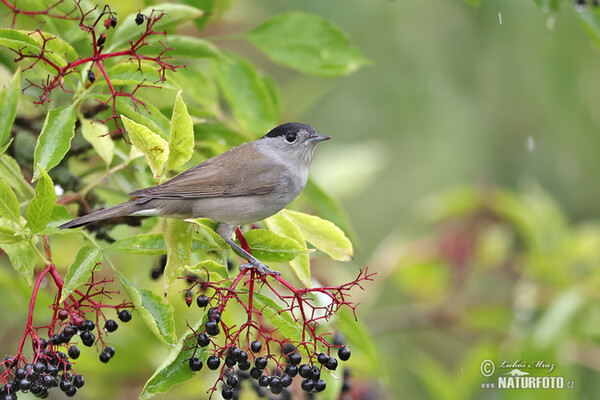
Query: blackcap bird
{"type": "Point", "coordinates": [246, 184]}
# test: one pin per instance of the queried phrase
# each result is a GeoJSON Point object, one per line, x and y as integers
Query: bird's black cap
{"type": "Point", "coordinates": [281, 130]}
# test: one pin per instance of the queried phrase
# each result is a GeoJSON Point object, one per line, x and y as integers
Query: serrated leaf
{"type": "Point", "coordinates": [268, 246]}
{"type": "Point", "coordinates": [178, 238]}
{"type": "Point", "coordinates": [154, 244]}
{"type": "Point", "coordinates": [281, 225]}
{"type": "Point", "coordinates": [322, 234]}
{"type": "Point", "coordinates": [181, 139]}
{"type": "Point", "coordinates": [132, 74]}
{"type": "Point", "coordinates": [97, 135]}
{"type": "Point", "coordinates": [21, 257]}
{"type": "Point", "coordinates": [81, 270]}
{"type": "Point", "coordinates": [9, 205]}
{"type": "Point", "coordinates": [8, 236]}
{"type": "Point", "coordinates": [175, 14]}
{"type": "Point", "coordinates": [209, 227]}
{"type": "Point", "coordinates": [250, 98]}
{"type": "Point", "coordinates": [156, 311]}
{"type": "Point", "coordinates": [272, 312]}
{"type": "Point", "coordinates": [187, 46]}
{"type": "Point", "coordinates": [41, 206]}
{"type": "Point", "coordinates": [307, 43]}
{"type": "Point", "coordinates": [209, 269]}
{"type": "Point", "coordinates": [148, 115]}
{"type": "Point", "coordinates": [155, 148]}
{"type": "Point", "coordinates": [10, 171]}
{"type": "Point", "coordinates": [9, 98]}
{"type": "Point", "coordinates": [174, 370]}
{"type": "Point", "coordinates": [55, 139]}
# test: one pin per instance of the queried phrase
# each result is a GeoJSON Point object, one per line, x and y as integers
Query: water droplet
{"type": "Point", "coordinates": [500, 17]}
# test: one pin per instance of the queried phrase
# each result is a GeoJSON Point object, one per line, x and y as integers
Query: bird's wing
{"type": "Point", "coordinates": [225, 175]}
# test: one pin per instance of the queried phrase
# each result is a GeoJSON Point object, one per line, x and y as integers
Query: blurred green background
{"type": "Point", "coordinates": [466, 158]}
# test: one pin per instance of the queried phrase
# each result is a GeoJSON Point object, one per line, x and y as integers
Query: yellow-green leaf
{"type": "Point", "coordinates": [209, 227]}
{"type": "Point", "coordinates": [21, 257]}
{"type": "Point", "coordinates": [151, 144]}
{"type": "Point", "coordinates": [10, 171]}
{"type": "Point", "coordinates": [209, 269]}
{"type": "Point", "coordinates": [178, 238]}
{"type": "Point", "coordinates": [81, 270]}
{"type": "Point", "coordinates": [281, 225]}
{"type": "Point", "coordinates": [270, 247]}
{"type": "Point", "coordinates": [322, 234]}
{"type": "Point", "coordinates": [9, 205]}
{"type": "Point", "coordinates": [9, 98]}
{"type": "Point", "coordinates": [181, 139]}
{"type": "Point", "coordinates": [41, 207]}
{"type": "Point", "coordinates": [8, 236]}
{"type": "Point", "coordinates": [97, 135]}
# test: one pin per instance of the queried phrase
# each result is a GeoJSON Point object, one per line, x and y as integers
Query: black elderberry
{"type": "Point", "coordinates": [291, 370]}
{"type": "Point", "coordinates": [255, 346]}
{"type": "Point", "coordinates": [67, 376]}
{"type": "Point", "coordinates": [69, 332]}
{"type": "Point", "coordinates": [213, 362]}
{"type": "Point", "coordinates": [101, 40]}
{"type": "Point", "coordinates": [276, 383]}
{"type": "Point", "coordinates": [10, 362]}
{"type": "Point", "coordinates": [227, 392]}
{"type": "Point", "coordinates": [315, 373]}
{"type": "Point", "coordinates": [39, 367]}
{"type": "Point", "coordinates": [78, 381]}
{"type": "Point", "coordinates": [286, 380]}
{"type": "Point", "coordinates": [294, 358]}
{"type": "Point", "coordinates": [20, 373]}
{"type": "Point", "coordinates": [24, 385]}
{"type": "Point", "coordinates": [307, 385]}
{"type": "Point", "coordinates": [87, 338]}
{"type": "Point", "coordinates": [104, 357]}
{"type": "Point", "coordinates": [88, 325]}
{"type": "Point", "coordinates": [139, 19]}
{"type": "Point", "coordinates": [214, 314]}
{"type": "Point", "coordinates": [255, 373]}
{"type": "Point", "coordinates": [52, 370]}
{"type": "Point", "coordinates": [110, 351]}
{"type": "Point", "coordinates": [234, 352]}
{"type": "Point", "coordinates": [91, 76]}
{"type": "Point", "coordinates": [232, 381]}
{"type": "Point", "coordinates": [260, 362]}
{"type": "Point", "coordinates": [43, 343]}
{"type": "Point", "coordinates": [74, 352]}
{"type": "Point", "coordinates": [71, 391]}
{"type": "Point", "coordinates": [332, 364]}
{"type": "Point", "coordinates": [195, 364]}
{"type": "Point", "coordinates": [63, 314]}
{"type": "Point", "coordinates": [202, 301]}
{"type": "Point", "coordinates": [10, 397]}
{"type": "Point", "coordinates": [263, 381]}
{"type": "Point", "coordinates": [322, 358]}
{"type": "Point", "coordinates": [230, 361]}
{"type": "Point", "coordinates": [111, 325]}
{"type": "Point", "coordinates": [242, 357]}
{"type": "Point", "coordinates": [203, 340]}
{"type": "Point", "coordinates": [37, 389]}
{"type": "Point", "coordinates": [304, 371]}
{"type": "Point", "coordinates": [125, 315]}
{"type": "Point", "coordinates": [65, 385]}
{"type": "Point", "coordinates": [344, 353]}
{"type": "Point", "coordinates": [56, 339]}
{"type": "Point", "coordinates": [212, 328]}
{"type": "Point", "coordinates": [320, 385]}
{"type": "Point", "coordinates": [244, 365]}
{"type": "Point", "coordinates": [113, 22]}
{"type": "Point", "coordinates": [48, 381]}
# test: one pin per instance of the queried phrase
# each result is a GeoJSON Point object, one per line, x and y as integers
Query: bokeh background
{"type": "Point", "coordinates": [466, 157]}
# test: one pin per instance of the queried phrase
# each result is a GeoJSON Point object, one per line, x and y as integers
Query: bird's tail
{"type": "Point", "coordinates": [115, 211]}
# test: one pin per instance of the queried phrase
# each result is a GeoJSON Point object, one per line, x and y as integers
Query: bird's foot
{"type": "Point", "coordinates": [262, 268]}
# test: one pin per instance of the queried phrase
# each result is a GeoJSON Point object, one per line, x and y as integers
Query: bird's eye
{"type": "Point", "coordinates": [290, 137]}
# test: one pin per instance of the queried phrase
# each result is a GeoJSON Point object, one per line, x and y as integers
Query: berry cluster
{"type": "Point", "coordinates": [595, 3]}
{"type": "Point", "coordinates": [53, 368]}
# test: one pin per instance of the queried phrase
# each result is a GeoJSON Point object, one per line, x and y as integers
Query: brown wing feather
{"type": "Point", "coordinates": [220, 176]}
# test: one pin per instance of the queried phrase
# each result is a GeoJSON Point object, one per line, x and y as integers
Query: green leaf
{"type": "Point", "coordinates": [19, 40]}
{"type": "Point", "coordinates": [178, 238]}
{"type": "Point", "coordinates": [175, 15]}
{"type": "Point", "coordinates": [358, 337]}
{"type": "Point", "coordinates": [81, 270]}
{"type": "Point", "coordinates": [307, 43]}
{"type": "Point", "coordinates": [10, 171]}
{"type": "Point", "coordinates": [156, 311]}
{"type": "Point", "coordinates": [97, 135]}
{"type": "Point", "coordinates": [272, 312]}
{"type": "Point", "coordinates": [247, 93]}
{"type": "Point", "coordinates": [132, 74]}
{"type": "Point", "coordinates": [55, 139]}
{"type": "Point", "coordinates": [209, 227]}
{"type": "Point", "coordinates": [187, 46]}
{"type": "Point", "coordinates": [281, 225]}
{"type": "Point", "coordinates": [181, 139]}
{"type": "Point", "coordinates": [40, 209]}
{"type": "Point", "coordinates": [9, 205]}
{"type": "Point", "coordinates": [154, 244]}
{"type": "Point", "coordinates": [148, 115]}
{"type": "Point", "coordinates": [548, 7]}
{"type": "Point", "coordinates": [270, 247]}
{"type": "Point", "coordinates": [8, 236]}
{"type": "Point", "coordinates": [9, 98]}
{"type": "Point", "coordinates": [322, 234]}
{"type": "Point", "coordinates": [21, 257]}
{"type": "Point", "coordinates": [59, 51]}
{"type": "Point", "coordinates": [174, 370]}
{"type": "Point", "coordinates": [149, 143]}
{"type": "Point", "coordinates": [208, 269]}
{"type": "Point", "coordinates": [590, 18]}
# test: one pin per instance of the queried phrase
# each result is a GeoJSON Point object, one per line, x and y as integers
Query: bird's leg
{"type": "Point", "coordinates": [253, 262]}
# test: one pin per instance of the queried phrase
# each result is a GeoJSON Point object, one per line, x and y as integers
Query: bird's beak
{"type": "Point", "coordinates": [319, 138]}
